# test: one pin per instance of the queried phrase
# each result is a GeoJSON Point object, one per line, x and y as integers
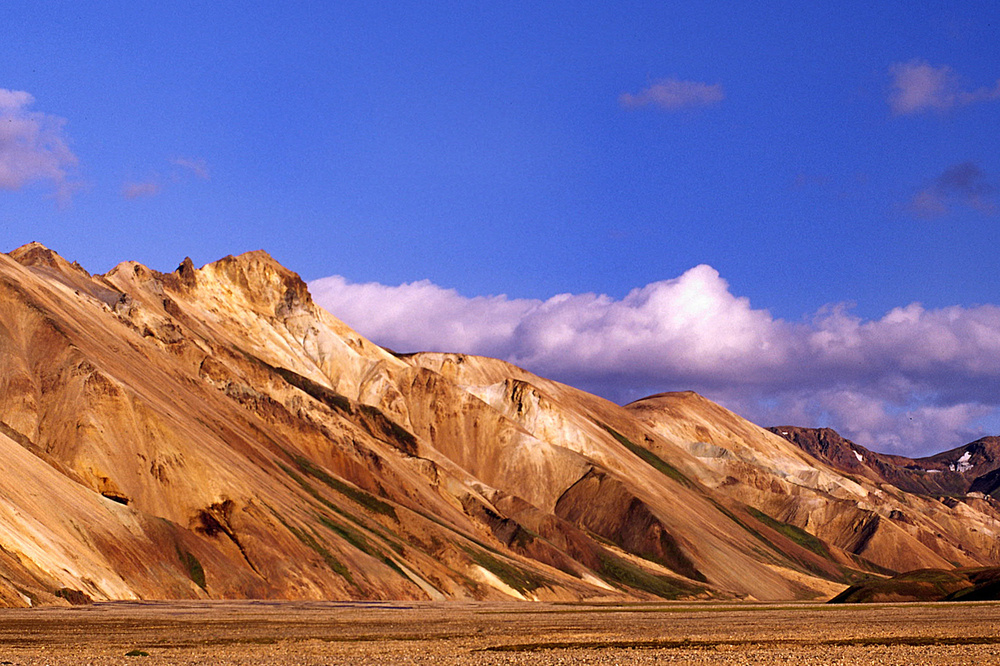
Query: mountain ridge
{"type": "Point", "coordinates": [222, 436]}
{"type": "Point", "coordinates": [967, 468]}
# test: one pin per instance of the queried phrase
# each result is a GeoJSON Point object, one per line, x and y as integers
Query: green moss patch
{"type": "Point", "coordinates": [195, 571]}
{"type": "Point", "coordinates": [356, 495]}
{"type": "Point", "coordinates": [515, 577]}
{"type": "Point", "coordinates": [796, 534]}
{"type": "Point", "coordinates": [364, 499]}
{"type": "Point", "coordinates": [312, 542]}
{"type": "Point", "coordinates": [649, 457]}
{"type": "Point", "coordinates": [618, 570]}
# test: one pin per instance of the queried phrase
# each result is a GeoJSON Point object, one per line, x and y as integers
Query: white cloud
{"type": "Point", "coordinates": [915, 380]}
{"type": "Point", "coordinates": [33, 146]}
{"type": "Point", "coordinates": [674, 94]}
{"type": "Point", "coordinates": [423, 316]}
{"type": "Point", "coordinates": [918, 86]}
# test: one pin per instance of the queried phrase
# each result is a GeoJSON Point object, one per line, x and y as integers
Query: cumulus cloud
{"type": "Point", "coordinates": [33, 146]}
{"type": "Point", "coordinates": [674, 94]}
{"type": "Point", "coordinates": [448, 320]}
{"type": "Point", "coordinates": [915, 381]}
{"type": "Point", "coordinates": [964, 184]}
{"type": "Point", "coordinates": [918, 86]}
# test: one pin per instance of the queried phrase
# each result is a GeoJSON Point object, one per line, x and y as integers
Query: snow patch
{"type": "Point", "coordinates": [857, 455]}
{"type": "Point", "coordinates": [962, 464]}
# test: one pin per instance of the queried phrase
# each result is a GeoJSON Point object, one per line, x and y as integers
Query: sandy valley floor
{"type": "Point", "coordinates": [491, 633]}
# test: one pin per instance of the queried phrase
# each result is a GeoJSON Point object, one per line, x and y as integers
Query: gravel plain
{"type": "Point", "coordinates": [261, 633]}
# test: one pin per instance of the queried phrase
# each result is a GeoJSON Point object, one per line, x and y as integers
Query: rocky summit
{"type": "Point", "coordinates": [212, 433]}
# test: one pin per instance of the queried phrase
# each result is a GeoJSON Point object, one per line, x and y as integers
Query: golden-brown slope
{"type": "Point", "coordinates": [264, 449]}
{"type": "Point", "coordinates": [741, 461]}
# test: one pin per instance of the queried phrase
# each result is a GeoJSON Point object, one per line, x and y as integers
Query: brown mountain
{"type": "Point", "coordinates": [212, 433]}
{"type": "Point", "coordinates": [973, 467]}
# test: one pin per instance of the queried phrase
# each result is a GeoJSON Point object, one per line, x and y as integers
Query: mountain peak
{"type": "Point", "coordinates": [185, 273]}
{"type": "Point", "coordinates": [34, 247]}
{"type": "Point", "coordinates": [34, 254]}
{"type": "Point", "coordinates": [258, 280]}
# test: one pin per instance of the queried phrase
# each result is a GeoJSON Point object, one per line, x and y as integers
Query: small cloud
{"type": "Point", "coordinates": [197, 167]}
{"type": "Point", "coordinates": [918, 86]}
{"type": "Point", "coordinates": [152, 186]}
{"type": "Point", "coordinates": [966, 179]}
{"type": "Point", "coordinates": [140, 190]}
{"type": "Point", "coordinates": [927, 203]}
{"type": "Point", "coordinates": [964, 184]}
{"type": "Point", "coordinates": [674, 95]}
{"type": "Point", "coordinates": [33, 146]}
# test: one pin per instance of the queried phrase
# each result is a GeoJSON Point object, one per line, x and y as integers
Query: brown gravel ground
{"type": "Point", "coordinates": [259, 633]}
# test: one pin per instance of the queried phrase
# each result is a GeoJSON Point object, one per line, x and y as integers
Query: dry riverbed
{"type": "Point", "coordinates": [254, 633]}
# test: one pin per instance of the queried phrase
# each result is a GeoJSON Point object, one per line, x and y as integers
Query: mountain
{"type": "Point", "coordinates": [973, 467]}
{"type": "Point", "coordinates": [213, 433]}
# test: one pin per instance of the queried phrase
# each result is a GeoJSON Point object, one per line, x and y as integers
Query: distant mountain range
{"type": "Point", "coordinates": [212, 433]}
{"type": "Point", "coordinates": [971, 468]}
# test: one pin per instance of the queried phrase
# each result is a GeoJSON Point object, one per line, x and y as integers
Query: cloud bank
{"type": "Point", "coordinates": [673, 95]}
{"type": "Point", "coordinates": [914, 381]}
{"type": "Point", "coordinates": [33, 146]}
{"type": "Point", "coordinates": [918, 87]}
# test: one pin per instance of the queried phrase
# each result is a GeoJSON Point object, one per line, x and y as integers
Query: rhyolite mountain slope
{"type": "Point", "coordinates": [212, 433]}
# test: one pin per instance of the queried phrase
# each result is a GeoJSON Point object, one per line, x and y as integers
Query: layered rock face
{"type": "Point", "coordinates": [212, 433]}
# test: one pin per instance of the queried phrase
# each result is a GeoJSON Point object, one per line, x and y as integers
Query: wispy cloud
{"type": "Point", "coordinates": [153, 185]}
{"type": "Point", "coordinates": [674, 94]}
{"type": "Point", "coordinates": [913, 381]}
{"type": "Point", "coordinates": [140, 190]}
{"type": "Point", "coordinates": [964, 184]}
{"type": "Point", "coordinates": [33, 146]}
{"type": "Point", "coordinates": [198, 167]}
{"type": "Point", "coordinates": [918, 86]}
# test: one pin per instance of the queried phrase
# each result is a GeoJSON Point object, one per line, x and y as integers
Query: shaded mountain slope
{"type": "Point", "coordinates": [212, 433]}
{"type": "Point", "coordinates": [978, 584]}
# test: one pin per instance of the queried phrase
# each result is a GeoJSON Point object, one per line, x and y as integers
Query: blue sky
{"type": "Point", "coordinates": [810, 156]}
